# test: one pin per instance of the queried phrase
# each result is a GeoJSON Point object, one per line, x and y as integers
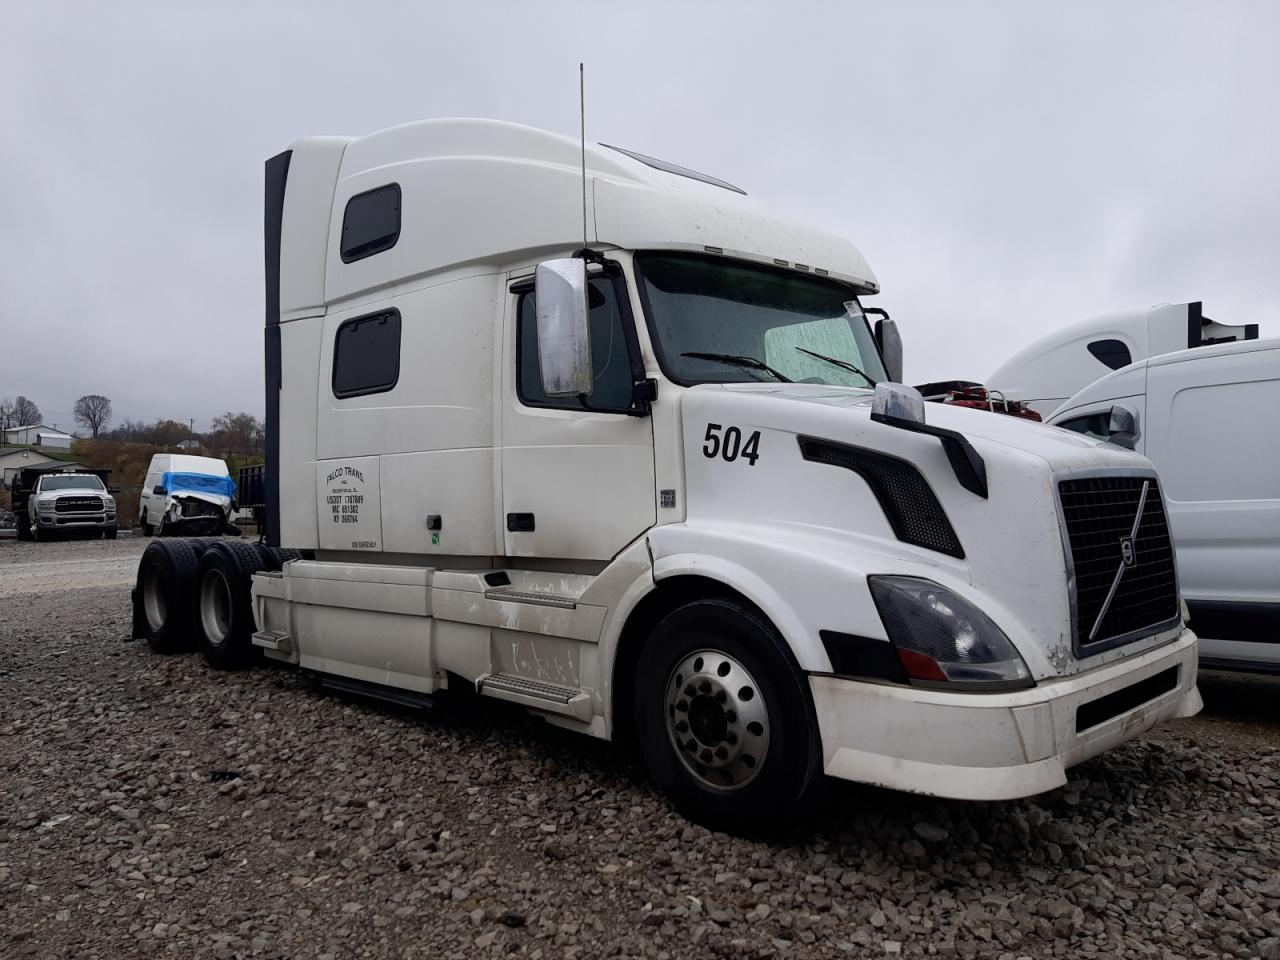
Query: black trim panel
{"type": "Point", "coordinates": [855, 656]}
{"type": "Point", "coordinates": [1195, 318]}
{"type": "Point", "coordinates": [1235, 621]}
{"type": "Point", "coordinates": [967, 464]}
{"type": "Point", "coordinates": [908, 502]}
{"type": "Point", "coordinates": [1097, 712]}
{"type": "Point", "coordinates": [277, 175]}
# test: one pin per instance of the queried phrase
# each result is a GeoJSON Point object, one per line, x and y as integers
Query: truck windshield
{"type": "Point", "coordinates": [725, 321]}
{"type": "Point", "coordinates": [70, 483]}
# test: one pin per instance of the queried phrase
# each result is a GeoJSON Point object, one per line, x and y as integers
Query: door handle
{"type": "Point", "coordinates": [519, 522]}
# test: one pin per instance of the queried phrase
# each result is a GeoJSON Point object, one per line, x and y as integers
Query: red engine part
{"type": "Point", "coordinates": [980, 398]}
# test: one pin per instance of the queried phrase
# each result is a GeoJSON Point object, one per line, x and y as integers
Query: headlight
{"type": "Point", "coordinates": [44, 506]}
{"type": "Point", "coordinates": [944, 638]}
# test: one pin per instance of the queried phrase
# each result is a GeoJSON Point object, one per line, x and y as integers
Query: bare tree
{"type": "Point", "coordinates": [6, 413]}
{"type": "Point", "coordinates": [25, 412]}
{"type": "Point", "coordinates": [238, 432]}
{"type": "Point", "coordinates": [94, 412]}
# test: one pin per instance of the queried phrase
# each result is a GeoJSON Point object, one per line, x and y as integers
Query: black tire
{"type": "Point", "coordinates": [110, 533]}
{"type": "Point", "coordinates": [162, 598]}
{"type": "Point", "coordinates": [741, 791]}
{"type": "Point", "coordinates": [147, 529]}
{"type": "Point", "coordinates": [24, 527]}
{"type": "Point", "coordinates": [274, 558]}
{"type": "Point", "coordinates": [224, 617]}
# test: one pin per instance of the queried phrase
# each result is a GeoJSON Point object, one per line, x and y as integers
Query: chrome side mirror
{"type": "Point", "coordinates": [1124, 428]}
{"type": "Point", "coordinates": [890, 342]}
{"type": "Point", "coordinates": [564, 333]}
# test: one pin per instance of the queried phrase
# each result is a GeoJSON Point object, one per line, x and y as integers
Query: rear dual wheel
{"type": "Point", "coordinates": [724, 717]}
{"type": "Point", "coordinates": [162, 596]}
{"type": "Point", "coordinates": [224, 603]}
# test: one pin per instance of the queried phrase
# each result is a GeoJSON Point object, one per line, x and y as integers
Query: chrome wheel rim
{"type": "Point", "coordinates": [717, 719]}
{"type": "Point", "coordinates": [215, 607]}
{"type": "Point", "coordinates": [153, 602]}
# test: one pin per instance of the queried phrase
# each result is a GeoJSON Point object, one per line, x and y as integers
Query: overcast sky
{"type": "Point", "coordinates": [1005, 167]}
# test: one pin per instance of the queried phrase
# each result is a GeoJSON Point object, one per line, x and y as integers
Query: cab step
{"type": "Point", "coordinates": [568, 701]}
{"type": "Point", "coordinates": [273, 640]}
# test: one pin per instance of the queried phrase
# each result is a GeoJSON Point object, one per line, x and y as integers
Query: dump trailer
{"type": "Point", "coordinates": [52, 501]}
{"type": "Point", "coordinates": [596, 435]}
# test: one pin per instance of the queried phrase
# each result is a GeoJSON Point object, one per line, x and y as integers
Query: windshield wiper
{"type": "Point", "coordinates": [737, 361]}
{"type": "Point", "coordinates": [843, 364]}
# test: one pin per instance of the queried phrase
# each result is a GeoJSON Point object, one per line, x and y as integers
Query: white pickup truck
{"type": "Point", "coordinates": [56, 502]}
{"type": "Point", "coordinates": [660, 484]}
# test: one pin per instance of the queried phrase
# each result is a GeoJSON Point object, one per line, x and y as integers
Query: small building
{"type": "Point", "coordinates": [13, 459]}
{"type": "Point", "coordinates": [37, 434]}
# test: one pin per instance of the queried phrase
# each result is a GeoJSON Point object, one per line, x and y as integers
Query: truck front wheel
{"type": "Point", "coordinates": [724, 717]}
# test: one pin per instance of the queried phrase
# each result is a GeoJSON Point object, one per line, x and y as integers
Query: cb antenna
{"type": "Point", "coordinates": [582, 120]}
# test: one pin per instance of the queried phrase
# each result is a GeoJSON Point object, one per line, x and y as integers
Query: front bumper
{"type": "Point", "coordinates": [997, 746]}
{"type": "Point", "coordinates": [76, 521]}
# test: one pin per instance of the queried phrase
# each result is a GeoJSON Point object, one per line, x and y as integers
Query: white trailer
{"type": "Point", "coordinates": [642, 486]}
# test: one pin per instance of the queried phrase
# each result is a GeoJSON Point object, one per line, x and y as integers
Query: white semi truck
{"type": "Point", "coordinates": [659, 484]}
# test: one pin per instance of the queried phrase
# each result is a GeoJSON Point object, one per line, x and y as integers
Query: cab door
{"type": "Point", "coordinates": [577, 483]}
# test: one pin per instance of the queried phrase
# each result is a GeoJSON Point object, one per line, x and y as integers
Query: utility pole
{"type": "Point", "coordinates": [192, 433]}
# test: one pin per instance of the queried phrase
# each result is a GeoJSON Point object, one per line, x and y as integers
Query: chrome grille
{"type": "Point", "coordinates": [1122, 555]}
{"type": "Point", "coordinates": [78, 505]}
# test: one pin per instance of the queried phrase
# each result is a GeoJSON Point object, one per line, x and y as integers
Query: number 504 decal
{"type": "Point", "coordinates": [729, 445]}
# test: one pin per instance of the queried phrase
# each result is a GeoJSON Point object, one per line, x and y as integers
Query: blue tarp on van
{"type": "Point", "coordinates": [199, 483]}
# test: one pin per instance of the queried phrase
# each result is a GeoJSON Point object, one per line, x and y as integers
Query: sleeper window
{"type": "Point", "coordinates": [610, 362]}
{"type": "Point", "coordinates": [366, 355]}
{"type": "Point", "coordinates": [371, 223]}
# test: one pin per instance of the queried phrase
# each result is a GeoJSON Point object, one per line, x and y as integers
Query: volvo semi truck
{"type": "Point", "coordinates": [594, 434]}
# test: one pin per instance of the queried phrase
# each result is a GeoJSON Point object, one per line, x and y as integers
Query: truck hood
{"type": "Point", "coordinates": [72, 492]}
{"type": "Point", "coordinates": [1061, 449]}
{"type": "Point", "coordinates": [1013, 563]}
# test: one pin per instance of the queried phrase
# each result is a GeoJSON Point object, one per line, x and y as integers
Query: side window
{"type": "Point", "coordinates": [610, 361]}
{"type": "Point", "coordinates": [1114, 353]}
{"type": "Point", "coordinates": [366, 355]}
{"type": "Point", "coordinates": [371, 223]}
{"type": "Point", "coordinates": [1096, 425]}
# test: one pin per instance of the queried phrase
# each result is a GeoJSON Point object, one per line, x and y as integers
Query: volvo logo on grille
{"type": "Point", "coordinates": [1128, 557]}
{"type": "Point", "coordinates": [1128, 552]}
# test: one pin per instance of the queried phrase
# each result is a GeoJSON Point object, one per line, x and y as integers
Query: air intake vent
{"type": "Point", "coordinates": [1126, 585]}
{"type": "Point", "coordinates": [908, 502]}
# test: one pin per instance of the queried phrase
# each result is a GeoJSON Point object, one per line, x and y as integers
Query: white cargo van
{"type": "Point", "coordinates": [1207, 419]}
{"type": "Point", "coordinates": [659, 485]}
{"type": "Point", "coordinates": [1053, 368]}
{"type": "Point", "coordinates": [185, 494]}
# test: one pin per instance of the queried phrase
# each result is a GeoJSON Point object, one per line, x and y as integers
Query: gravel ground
{"type": "Point", "coordinates": [149, 806]}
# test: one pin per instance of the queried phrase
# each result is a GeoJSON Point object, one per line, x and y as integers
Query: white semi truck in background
{"type": "Point", "coordinates": [659, 484]}
{"type": "Point", "coordinates": [1045, 373]}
